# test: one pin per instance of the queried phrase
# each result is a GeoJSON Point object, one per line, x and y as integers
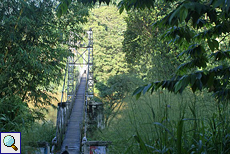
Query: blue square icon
{"type": "Point", "coordinates": [10, 142]}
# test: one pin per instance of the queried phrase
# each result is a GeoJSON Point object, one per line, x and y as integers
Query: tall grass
{"type": "Point", "coordinates": [169, 123]}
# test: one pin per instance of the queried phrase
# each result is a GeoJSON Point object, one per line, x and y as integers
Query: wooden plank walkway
{"type": "Point", "coordinates": [73, 134]}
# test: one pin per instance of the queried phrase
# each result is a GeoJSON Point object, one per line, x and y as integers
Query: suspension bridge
{"type": "Point", "coordinates": [78, 85]}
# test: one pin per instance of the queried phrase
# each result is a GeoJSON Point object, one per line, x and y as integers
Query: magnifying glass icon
{"type": "Point", "coordinates": [9, 141]}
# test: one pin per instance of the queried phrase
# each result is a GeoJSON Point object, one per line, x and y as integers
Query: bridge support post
{"type": "Point", "coordinates": [95, 115]}
{"type": "Point", "coordinates": [90, 80]}
{"type": "Point", "coordinates": [61, 124]}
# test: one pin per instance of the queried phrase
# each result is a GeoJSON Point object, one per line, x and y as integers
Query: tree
{"type": "Point", "coordinates": [113, 93]}
{"type": "Point", "coordinates": [32, 54]}
{"type": "Point", "coordinates": [145, 52]}
{"type": "Point", "coordinates": [108, 27]}
{"type": "Point", "coordinates": [109, 60]}
{"type": "Point", "coordinates": [201, 30]}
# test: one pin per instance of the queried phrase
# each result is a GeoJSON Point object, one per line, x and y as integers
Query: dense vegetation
{"type": "Point", "coordinates": [155, 45]}
{"type": "Point", "coordinates": [176, 53]}
{"type": "Point", "coordinates": [32, 55]}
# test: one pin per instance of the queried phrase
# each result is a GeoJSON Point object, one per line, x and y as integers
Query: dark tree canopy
{"type": "Point", "coordinates": [201, 31]}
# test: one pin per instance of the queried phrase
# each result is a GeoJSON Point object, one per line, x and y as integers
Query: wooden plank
{"type": "Point", "coordinates": [73, 134]}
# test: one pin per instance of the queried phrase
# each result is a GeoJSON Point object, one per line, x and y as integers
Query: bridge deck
{"type": "Point", "coordinates": [73, 134]}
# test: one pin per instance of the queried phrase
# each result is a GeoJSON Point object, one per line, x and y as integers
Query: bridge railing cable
{"type": "Point", "coordinates": [60, 118]}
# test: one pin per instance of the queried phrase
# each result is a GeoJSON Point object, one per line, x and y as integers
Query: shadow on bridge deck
{"type": "Point", "coordinates": [73, 134]}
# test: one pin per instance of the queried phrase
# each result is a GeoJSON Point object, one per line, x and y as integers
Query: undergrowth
{"type": "Point", "coordinates": [169, 123]}
{"type": "Point", "coordinates": [39, 132]}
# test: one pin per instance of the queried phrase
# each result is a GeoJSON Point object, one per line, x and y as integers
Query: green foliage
{"type": "Point", "coordinates": [197, 33]}
{"type": "Point", "coordinates": [113, 93]}
{"type": "Point", "coordinates": [108, 27]}
{"type": "Point", "coordinates": [179, 136]}
{"type": "Point", "coordinates": [32, 56]}
{"type": "Point", "coordinates": [128, 5]}
{"type": "Point", "coordinates": [169, 123]}
{"type": "Point", "coordinates": [117, 86]}
{"type": "Point", "coordinates": [14, 114]}
{"type": "Point", "coordinates": [63, 5]}
{"type": "Point", "coordinates": [199, 29]}
{"type": "Point", "coordinates": [35, 134]}
{"type": "Point", "coordinates": [112, 80]}
{"type": "Point", "coordinates": [73, 21]}
{"type": "Point", "coordinates": [146, 54]}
